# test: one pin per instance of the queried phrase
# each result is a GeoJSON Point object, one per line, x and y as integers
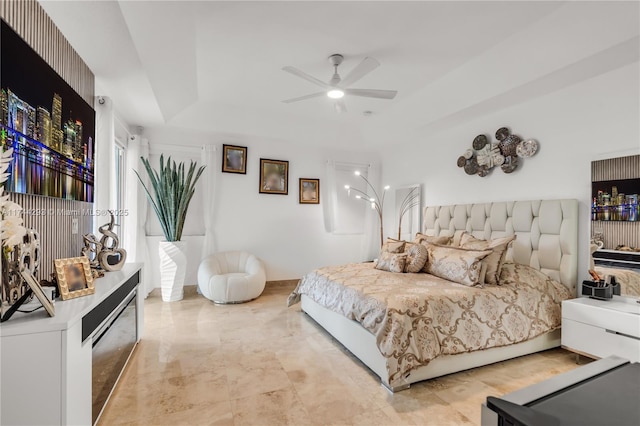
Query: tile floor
{"type": "Point", "coordinates": [262, 363]}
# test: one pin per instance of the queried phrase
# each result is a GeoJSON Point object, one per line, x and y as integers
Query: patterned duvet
{"type": "Point", "coordinates": [417, 317]}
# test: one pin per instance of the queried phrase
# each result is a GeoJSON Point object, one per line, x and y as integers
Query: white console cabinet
{"type": "Point", "coordinates": [46, 362]}
{"type": "Point", "coordinates": [601, 328]}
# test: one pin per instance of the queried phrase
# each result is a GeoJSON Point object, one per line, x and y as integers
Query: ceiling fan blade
{"type": "Point", "coordinates": [304, 75]}
{"type": "Point", "coordinates": [340, 106]}
{"type": "Point", "coordinates": [363, 68]}
{"type": "Point", "coordinates": [372, 93]}
{"type": "Point", "coordinates": [302, 98]}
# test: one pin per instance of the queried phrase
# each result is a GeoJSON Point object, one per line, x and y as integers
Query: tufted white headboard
{"type": "Point", "coordinates": [547, 231]}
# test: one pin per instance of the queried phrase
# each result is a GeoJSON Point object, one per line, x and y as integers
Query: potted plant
{"type": "Point", "coordinates": [172, 190]}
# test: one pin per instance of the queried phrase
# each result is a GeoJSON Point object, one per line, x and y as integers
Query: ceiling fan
{"type": "Point", "coordinates": [337, 87]}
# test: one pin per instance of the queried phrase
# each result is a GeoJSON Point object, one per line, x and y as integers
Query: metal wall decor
{"type": "Point", "coordinates": [104, 253]}
{"type": "Point", "coordinates": [507, 153]}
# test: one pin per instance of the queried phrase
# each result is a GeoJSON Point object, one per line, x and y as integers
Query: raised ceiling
{"type": "Point", "coordinates": [216, 66]}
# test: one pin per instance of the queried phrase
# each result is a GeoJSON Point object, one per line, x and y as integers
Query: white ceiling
{"type": "Point", "coordinates": [216, 66]}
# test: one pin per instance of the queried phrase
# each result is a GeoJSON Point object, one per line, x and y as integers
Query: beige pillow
{"type": "Point", "coordinates": [442, 240]}
{"type": "Point", "coordinates": [392, 262]}
{"type": "Point", "coordinates": [392, 246]}
{"type": "Point", "coordinates": [456, 264]}
{"type": "Point", "coordinates": [495, 260]}
{"type": "Point", "coordinates": [417, 255]}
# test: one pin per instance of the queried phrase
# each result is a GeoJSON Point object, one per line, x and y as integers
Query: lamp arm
{"type": "Point", "coordinates": [370, 186]}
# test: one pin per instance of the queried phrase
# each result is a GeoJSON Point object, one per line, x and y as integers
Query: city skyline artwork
{"type": "Point", "coordinates": [50, 127]}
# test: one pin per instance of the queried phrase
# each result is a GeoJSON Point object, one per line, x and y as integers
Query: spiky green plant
{"type": "Point", "coordinates": [172, 192]}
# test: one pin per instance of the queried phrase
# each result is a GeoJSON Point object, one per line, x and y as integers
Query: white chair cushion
{"type": "Point", "coordinates": [231, 277]}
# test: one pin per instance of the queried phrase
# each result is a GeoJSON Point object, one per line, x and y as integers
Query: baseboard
{"type": "Point", "coordinates": [282, 283]}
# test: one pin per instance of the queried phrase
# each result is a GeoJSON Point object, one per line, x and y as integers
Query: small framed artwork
{"type": "Point", "coordinates": [309, 191]}
{"type": "Point", "coordinates": [274, 177]}
{"type": "Point", "coordinates": [234, 159]}
{"type": "Point", "coordinates": [74, 277]}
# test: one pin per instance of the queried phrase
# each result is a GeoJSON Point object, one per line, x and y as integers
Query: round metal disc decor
{"type": "Point", "coordinates": [509, 146]}
{"type": "Point", "coordinates": [510, 164]}
{"type": "Point", "coordinates": [479, 142]}
{"type": "Point", "coordinates": [468, 154]}
{"type": "Point", "coordinates": [527, 148]}
{"type": "Point", "coordinates": [471, 168]}
{"type": "Point", "coordinates": [461, 161]}
{"type": "Point", "coordinates": [502, 133]}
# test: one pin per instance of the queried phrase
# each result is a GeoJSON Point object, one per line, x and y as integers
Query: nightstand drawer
{"type": "Point", "coordinates": [621, 317]}
{"type": "Point", "coordinates": [598, 342]}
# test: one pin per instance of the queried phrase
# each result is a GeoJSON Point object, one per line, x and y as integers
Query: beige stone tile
{"type": "Point", "coordinates": [252, 375]}
{"type": "Point", "coordinates": [281, 407]}
{"type": "Point", "coordinates": [215, 413]}
{"type": "Point", "coordinates": [262, 363]}
{"type": "Point", "coordinates": [468, 398]}
{"type": "Point", "coordinates": [423, 409]}
{"type": "Point", "coordinates": [131, 403]}
{"type": "Point", "coordinates": [330, 398]}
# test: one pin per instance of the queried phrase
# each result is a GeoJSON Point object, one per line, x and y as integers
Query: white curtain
{"type": "Point", "coordinates": [331, 197]}
{"type": "Point", "coordinates": [339, 219]}
{"type": "Point", "coordinates": [208, 179]}
{"type": "Point", "coordinates": [104, 153]}
{"type": "Point", "coordinates": [136, 204]}
{"type": "Point", "coordinates": [371, 241]}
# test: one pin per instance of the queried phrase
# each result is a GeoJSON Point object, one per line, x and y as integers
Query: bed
{"type": "Point", "coordinates": [369, 327]}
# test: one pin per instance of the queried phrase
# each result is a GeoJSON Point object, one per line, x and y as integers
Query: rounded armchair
{"type": "Point", "coordinates": [231, 277]}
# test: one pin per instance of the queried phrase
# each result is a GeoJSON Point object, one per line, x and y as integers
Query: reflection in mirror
{"type": "Point", "coordinates": [615, 229]}
{"type": "Point", "coordinates": [408, 202]}
{"type": "Point", "coordinates": [624, 266]}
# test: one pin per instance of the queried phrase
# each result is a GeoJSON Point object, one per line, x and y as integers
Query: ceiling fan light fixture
{"type": "Point", "coordinates": [335, 93]}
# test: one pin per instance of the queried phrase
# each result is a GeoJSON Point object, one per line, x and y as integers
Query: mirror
{"type": "Point", "coordinates": [615, 225]}
{"type": "Point", "coordinates": [408, 204]}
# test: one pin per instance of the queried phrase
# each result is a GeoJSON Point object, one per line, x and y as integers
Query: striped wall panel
{"type": "Point", "coordinates": [52, 217]}
{"type": "Point", "coordinates": [617, 233]}
{"type": "Point", "coordinates": [616, 168]}
{"type": "Point", "coordinates": [29, 19]}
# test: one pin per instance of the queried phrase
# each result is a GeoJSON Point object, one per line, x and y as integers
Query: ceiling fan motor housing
{"type": "Point", "coordinates": [336, 59]}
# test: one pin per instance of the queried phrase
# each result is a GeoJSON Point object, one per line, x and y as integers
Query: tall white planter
{"type": "Point", "coordinates": [173, 269]}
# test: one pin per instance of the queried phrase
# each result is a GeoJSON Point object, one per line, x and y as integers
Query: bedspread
{"type": "Point", "coordinates": [417, 317]}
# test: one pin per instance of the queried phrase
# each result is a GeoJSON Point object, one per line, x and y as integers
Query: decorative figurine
{"type": "Point", "coordinates": [105, 253]}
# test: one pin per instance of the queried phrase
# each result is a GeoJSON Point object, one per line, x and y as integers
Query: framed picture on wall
{"type": "Point", "coordinates": [74, 277]}
{"type": "Point", "coordinates": [234, 159]}
{"type": "Point", "coordinates": [274, 177]}
{"type": "Point", "coordinates": [309, 191]}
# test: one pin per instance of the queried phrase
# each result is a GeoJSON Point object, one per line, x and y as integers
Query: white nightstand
{"type": "Point", "coordinates": [601, 328]}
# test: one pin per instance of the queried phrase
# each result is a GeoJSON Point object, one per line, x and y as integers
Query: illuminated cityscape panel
{"type": "Point", "coordinates": [615, 200]}
{"type": "Point", "coordinates": [49, 126]}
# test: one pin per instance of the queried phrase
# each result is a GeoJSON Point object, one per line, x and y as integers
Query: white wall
{"type": "Point", "coordinates": [594, 119]}
{"type": "Point", "coordinates": [289, 237]}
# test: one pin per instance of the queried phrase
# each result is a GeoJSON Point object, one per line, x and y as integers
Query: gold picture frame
{"type": "Point", "coordinates": [309, 191]}
{"type": "Point", "coordinates": [274, 177]}
{"type": "Point", "coordinates": [74, 277]}
{"type": "Point", "coordinates": [234, 159]}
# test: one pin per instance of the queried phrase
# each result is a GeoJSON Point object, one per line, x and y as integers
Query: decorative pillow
{"type": "Point", "coordinates": [442, 240]}
{"type": "Point", "coordinates": [456, 264]}
{"type": "Point", "coordinates": [495, 260]}
{"type": "Point", "coordinates": [392, 262]}
{"type": "Point", "coordinates": [392, 246]}
{"type": "Point", "coordinates": [417, 255]}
